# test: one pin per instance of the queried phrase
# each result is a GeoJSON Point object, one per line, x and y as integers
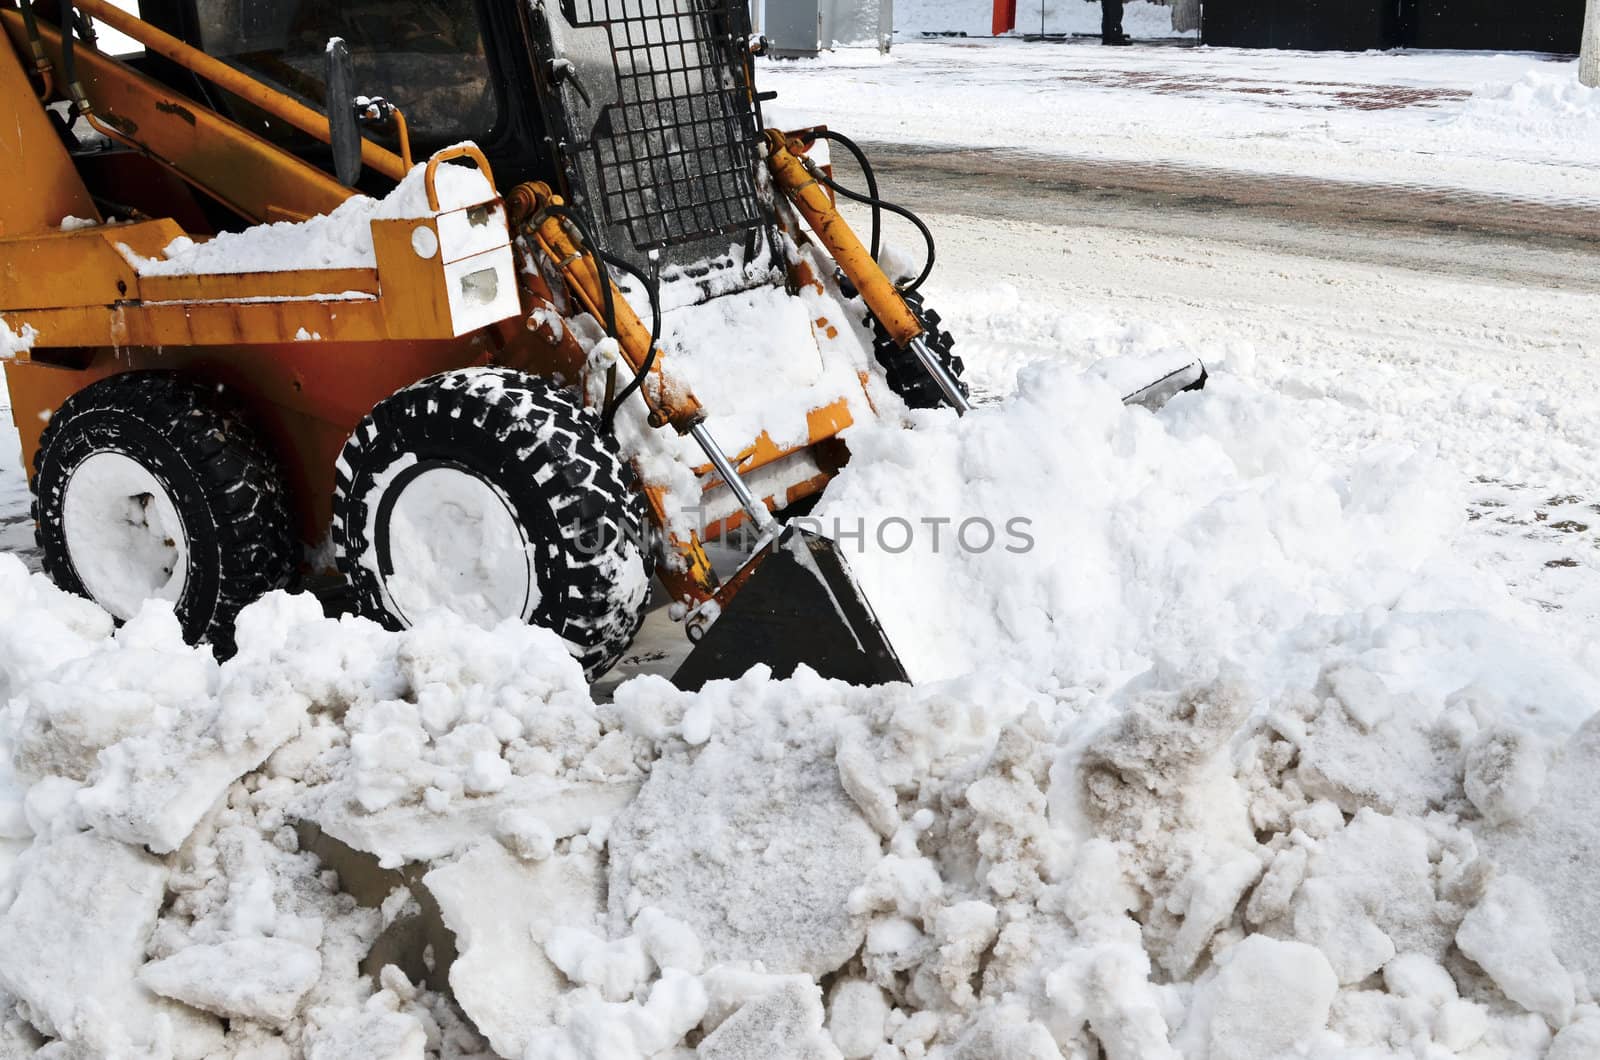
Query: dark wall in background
{"type": "Point", "coordinates": [1355, 25]}
{"type": "Point", "coordinates": [1317, 25]}
{"type": "Point", "coordinates": [1519, 25]}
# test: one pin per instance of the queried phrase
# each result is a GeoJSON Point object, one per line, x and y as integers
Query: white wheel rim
{"type": "Point", "coordinates": [124, 536]}
{"type": "Point", "coordinates": [455, 544]}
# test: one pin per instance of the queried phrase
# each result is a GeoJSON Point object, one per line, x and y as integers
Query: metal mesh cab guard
{"type": "Point", "coordinates": [675, 156]}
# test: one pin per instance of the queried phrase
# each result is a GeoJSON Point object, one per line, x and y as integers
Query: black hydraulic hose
{"type": "Point", "coordinates": [867, 172]}
{"type": "Point", "coordinates": [652, 290]}
{"type": "Point", "coordinates": [30, 21]}
{"type": "Point", "coordinates": [608, 414]}
{"type": "Point", "coordinates": [69, 58]}
{"type": "Point", "coordinates": [877, 203]}
{"type": "Point", "coordinates": [607, 298]}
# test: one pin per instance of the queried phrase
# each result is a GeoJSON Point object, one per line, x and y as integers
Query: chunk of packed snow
{"type": "Point", "coordinates": [369, 1034]}
{"type": "Point", "coordinates": [1578, 1041]}
{"type": "Point", "coordinates": [785, 1024]}
{"type": "Point", "coordinates": [73, 939]}
{"type": "Point", "coordinates": [122, 687]}
{"type": "Point", "coordinates": [756, 849]}
{"type": "Point", "coordinates": [502, 912]}
{"type": "Point", "coordinates": [262, 979]}
{"type": "Point", "coordinates": [1506, 934]}
{"type": "Point", "coordinates": [858, 1016]}
{"type": "Point", "coordinates": [153, 785]}
{"type": "Point", "coordinates": [1267, 999]}
{"type": "Point", "coordinates": [1555, 848]}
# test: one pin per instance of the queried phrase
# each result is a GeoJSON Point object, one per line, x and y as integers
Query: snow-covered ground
{"type": "Point", "coordinates": [1513, 125]}
{"type": "Point", "coordinates": [1278, 739]}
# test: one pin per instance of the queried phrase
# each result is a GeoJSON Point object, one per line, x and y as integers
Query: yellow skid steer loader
{"type": "Point", "coordinates": [264, 342]}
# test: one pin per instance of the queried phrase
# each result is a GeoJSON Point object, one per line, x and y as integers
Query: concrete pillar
{"type": "Point", "coordinates": [1589, 63]}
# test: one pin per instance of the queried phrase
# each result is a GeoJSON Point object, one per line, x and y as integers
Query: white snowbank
{"type": "Point", "coordinates": [1539, 104]}
{"type": "Point", "coordinates": [1236, 762]}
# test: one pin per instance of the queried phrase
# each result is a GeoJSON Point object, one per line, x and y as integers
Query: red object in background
{"type": "Point", "coordinates": [1005, 16]}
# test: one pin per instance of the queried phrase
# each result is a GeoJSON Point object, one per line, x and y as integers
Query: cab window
{"type": "Point", "coordinates": [425, 56]}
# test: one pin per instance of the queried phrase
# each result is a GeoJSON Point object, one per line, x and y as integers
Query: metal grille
{"type": "Point", "coordinates": [675, 157]}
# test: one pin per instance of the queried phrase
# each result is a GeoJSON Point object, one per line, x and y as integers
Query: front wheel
{"type": "Point", "coordinates": [905, 373]}
{"type": "Point", "coordinates": [492, 494]}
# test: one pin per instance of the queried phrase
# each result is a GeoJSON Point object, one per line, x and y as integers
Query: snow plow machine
{"type": "Point", "coordinates": [610, 319]}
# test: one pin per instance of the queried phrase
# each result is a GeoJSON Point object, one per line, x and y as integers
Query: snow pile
{"type": "Point", "coordinates": [1232, 764]}
{"type": "Point", "coordinates": [1542, 106]}
{"type": "Point", "coordinates": [1063, 535]}
{"type": "Point", "coordinates": [341, 239]}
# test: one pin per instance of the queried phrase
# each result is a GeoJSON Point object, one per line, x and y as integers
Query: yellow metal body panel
{"type": "Point", "coordinates": [41, 184]}
{"type": "Point", "coordinates": [49, 270]}
{"type": "Point", "coordinates": [426, 300]}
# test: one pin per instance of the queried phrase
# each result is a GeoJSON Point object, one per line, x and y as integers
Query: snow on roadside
{"type": "Point", "coordinates": [1236, 761]}
{"type": "Point", "coordinates": [1542, 107]}
{"type": "Point", "coordinates": [1412, 118]}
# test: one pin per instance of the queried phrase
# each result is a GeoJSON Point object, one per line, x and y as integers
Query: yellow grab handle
{"type": "Point", "coordinates": [458, 151]}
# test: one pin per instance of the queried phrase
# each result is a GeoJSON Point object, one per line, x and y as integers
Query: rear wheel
{"type": "Point", "coordinates": [906, 375]}
{"type": "Point", "coordinates": [492, 494]}
{"type": "Point", "coordinates": [150, 485]}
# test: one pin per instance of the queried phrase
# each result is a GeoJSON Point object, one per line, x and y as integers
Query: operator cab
{"type": "Point", "coordinates": [435, 59]}
{"type": "Point", "coordinates": [639, 112]}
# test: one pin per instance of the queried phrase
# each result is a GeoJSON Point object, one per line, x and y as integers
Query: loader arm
{"type": "Point", "coordinates": [254, 178]}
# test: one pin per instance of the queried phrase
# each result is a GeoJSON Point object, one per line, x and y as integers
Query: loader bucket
{"type": "Point", "coordinates": [798, 604]}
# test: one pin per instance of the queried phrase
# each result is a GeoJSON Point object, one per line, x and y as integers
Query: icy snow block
{"type": "Point", "coordinates": [401, 834]}
{"type": "Point", "coordinates": [153, 787]}
{"type": "Point", "coordinates": [783, 1025]}
{"type": "Point", "coordinates": [1506, 934]}
{"type": "Point", "coordinates": [260, 979]}
{"type": "Point", "coordinates": [1266, 998]}
{"type": "Point", "coordinates": [501, 910]}
{"type": "Point", "coordinates": [1556, 848]}
{"type": "Point", "coordinates": [73, 940]}
{"type": "Point", "coordinates": [1578, 1041]}
{"type": "Point", "coordinates": [370, 1035]}
{"type": "Point", "coordinates": [758, 856]}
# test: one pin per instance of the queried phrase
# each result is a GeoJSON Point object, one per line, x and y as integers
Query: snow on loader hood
{"type": "Point", "coordinates": [1235, 761]}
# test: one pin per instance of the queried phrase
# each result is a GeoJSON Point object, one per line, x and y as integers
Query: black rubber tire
{"type": "Point", "coordinates": [905, 373]}
{"type": "Point", "coordinates": [561, 477]}
{"type": "Point", "coordinates": [228, 490]}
